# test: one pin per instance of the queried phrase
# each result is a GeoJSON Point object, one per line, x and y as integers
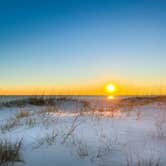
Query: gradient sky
{"type": "Point", "coordinates": [78, 46]}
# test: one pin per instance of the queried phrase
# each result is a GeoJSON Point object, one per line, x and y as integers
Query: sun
{"type": "Point", "coordinates": [110, 88]}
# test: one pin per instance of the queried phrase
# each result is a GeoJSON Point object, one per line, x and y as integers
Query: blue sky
{"type": "Point", "coordinates": [81, 43]}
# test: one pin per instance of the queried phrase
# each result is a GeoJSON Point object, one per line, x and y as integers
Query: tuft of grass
{"type": "Point", "coordinates": [71, 130]}
{"type": "Point", "coordinates": [30, 121]}
{"type": "Point", "coordinates": [20, 119]}
{"type": "Point", "coordinates": [82, 149]}
{"type": "Point", "coordinates": [8, 125]}
{"type": "Point", "coordinates": [137, 159]}
{"type": "Point", "coordinates": [10, 152]}
{"type": "Point", "coordinates": [160, 125]}
{"type": "Point", "coordinates": [49, 109]}
{"type": "Point", "coordinates": [48, 139]}
{"type": "Point", "coordinates": [22, 114]}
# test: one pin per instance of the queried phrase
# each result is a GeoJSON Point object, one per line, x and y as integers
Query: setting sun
{"type": "Point", "coordinates": [110, 88]}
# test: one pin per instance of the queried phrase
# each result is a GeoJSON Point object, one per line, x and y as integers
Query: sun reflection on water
{"type": "Point", "coordinates": [110, 97]}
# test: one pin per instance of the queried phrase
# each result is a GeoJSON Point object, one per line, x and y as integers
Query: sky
{"type": "Point", "coordinates": [79, 46]}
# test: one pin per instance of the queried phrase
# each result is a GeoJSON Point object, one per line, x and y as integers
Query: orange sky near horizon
{"type": "Point", "coordinates": [86, 90]}
{"type": "Point", "coordinates": [90, 86]}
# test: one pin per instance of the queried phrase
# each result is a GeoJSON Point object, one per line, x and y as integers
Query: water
{"type": "Point", "coordinates": [9, 98]}
{"type": "Point", "coordinates": [88, 97]}
{"type": "Point", "coordinates": [4, 99]}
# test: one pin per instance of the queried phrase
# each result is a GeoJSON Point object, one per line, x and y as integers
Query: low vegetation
{"type": "Point", "coordinates": [10, 152]}
{"type": "Point", "coordinates": [22, 114]}
{"type": "Point", "coordinates": [8, 125]}
{"type": "Point", "coordinates": [48, 139]}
